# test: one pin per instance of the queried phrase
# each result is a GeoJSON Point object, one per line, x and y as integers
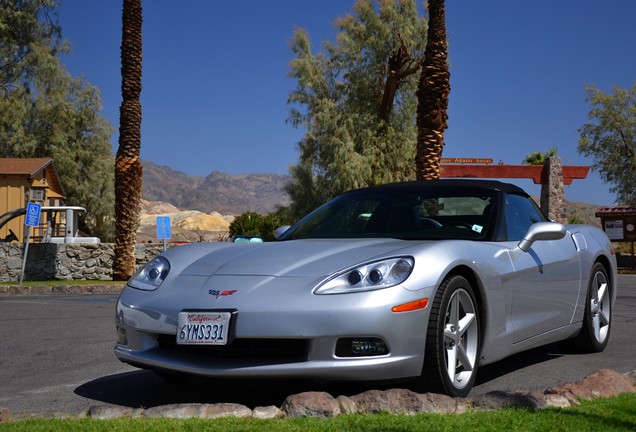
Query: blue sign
{"type": "Point", "coordinates": [163, 227]}
{"type": "Point", "coordinates": [33, 214]}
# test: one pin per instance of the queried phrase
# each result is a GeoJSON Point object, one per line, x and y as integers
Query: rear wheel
{"type": "Point", "coordinates": [453, 339]}
{"type": "Point", "coordinates": [598, 314]}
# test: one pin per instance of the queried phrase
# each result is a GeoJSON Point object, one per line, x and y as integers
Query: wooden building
{"type": "Point", "coordinates": [27, 179]}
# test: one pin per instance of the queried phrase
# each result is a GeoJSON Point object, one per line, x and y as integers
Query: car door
{"type": "Point", "coordinates": [546, 278]}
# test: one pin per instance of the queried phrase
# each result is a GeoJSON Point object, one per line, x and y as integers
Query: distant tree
{"type": "Point", "coordinates": [275, 220]}
{"type": "Point", "coordinates": [128, 170]}
{"type": "Point", "coordinates": [432, 95]}
{"type": "Point", "coordinates": [252, 223]}
{"type": "Point", "coordinates": [248, 223]}
{"type": "Point", "coordinates": [356, 101]}
{"type": "Point", "coordinates": [610, 139]}
{"type": "Point", "coordinates": [539, 158]}
{"type": "Point", "coordinates": [45, 112]}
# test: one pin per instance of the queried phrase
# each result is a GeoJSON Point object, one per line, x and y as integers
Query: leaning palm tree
{"type": "Point", "coordinates": [128, 168]}
{"type": "Point", "coordinates": [432, 95]}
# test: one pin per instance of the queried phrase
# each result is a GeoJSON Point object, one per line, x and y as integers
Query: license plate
{"type": "Point", "coordinates": [203, 328]}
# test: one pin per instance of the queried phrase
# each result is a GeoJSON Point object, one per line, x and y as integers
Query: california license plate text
{"type": "Point", "coordinates": [203, 328]}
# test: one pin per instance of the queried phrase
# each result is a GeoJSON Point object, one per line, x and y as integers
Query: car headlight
{"type": "Point", "coordinates": [150, 276]}
{"type": "Point", "coordinates": [367, 277]}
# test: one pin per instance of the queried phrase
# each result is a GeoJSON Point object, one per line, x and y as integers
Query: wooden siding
{"type": "Point", "coordinates": [17, 177]}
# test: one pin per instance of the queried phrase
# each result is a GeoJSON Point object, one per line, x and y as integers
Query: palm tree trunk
{"type": "Point", "coordinates": [128, 170]}
{"type": "Point", "coordinates": [432, 95]}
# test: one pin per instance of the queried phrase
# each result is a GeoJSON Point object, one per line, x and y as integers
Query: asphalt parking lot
{"type": "Point", "coordinates": [57, 356]}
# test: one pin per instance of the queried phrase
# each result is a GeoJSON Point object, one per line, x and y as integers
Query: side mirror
{"type": "Point", "coordinates": [280, 230]}
{"type": "Point", "coordinates": [541, 231]}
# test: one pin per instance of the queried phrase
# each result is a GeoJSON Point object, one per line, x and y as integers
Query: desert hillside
{"type": "Point", "coordinates": [186, 225]}
{"type": "Point", "coordinates": [218, 192]}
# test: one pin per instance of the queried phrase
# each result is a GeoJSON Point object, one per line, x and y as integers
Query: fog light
{"type": "Point", "coordinates": [361, 347]}
{"type": "Point", "coordinates": [122, 339]}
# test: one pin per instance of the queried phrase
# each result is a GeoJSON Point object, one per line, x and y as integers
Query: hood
{"type": "Point", "coordinates": [294, 258]}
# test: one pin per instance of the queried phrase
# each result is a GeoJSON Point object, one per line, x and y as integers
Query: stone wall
{"type": "Point", "coordinates": [66, 261]}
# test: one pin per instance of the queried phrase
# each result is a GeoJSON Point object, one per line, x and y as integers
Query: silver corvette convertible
{"type": "Point", "coordinates": [417, 281]}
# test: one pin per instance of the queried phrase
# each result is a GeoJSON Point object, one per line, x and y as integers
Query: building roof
{"type": "Point", "coordinates": [30, 167]}
{"type": "Point", "coordinates": [23, 166]}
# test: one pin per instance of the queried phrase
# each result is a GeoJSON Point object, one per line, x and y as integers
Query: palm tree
{"type": "Point", "coordinates": [432, 95]}
{"type": "Point", "coordinates": [538, 158]}
{"type": "Point", "coordinates": [128, 168]}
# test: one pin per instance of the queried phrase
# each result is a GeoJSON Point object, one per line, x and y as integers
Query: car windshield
{"type": "Point", "coordinates": [408, 213]}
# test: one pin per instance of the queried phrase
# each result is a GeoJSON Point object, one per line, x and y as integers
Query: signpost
{"type": "Point", "coordinates": [163, 229]}
{"type": "Point", "coordinates": [32, 219]}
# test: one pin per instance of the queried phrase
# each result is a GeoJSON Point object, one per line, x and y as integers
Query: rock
{"type": "Point", "coordinates": [397, 401]}
{"type": "Point", "coordinates": [556, 401]}
{"type": "Point", "coordinates": [226, 410]}
{"type": "Point", "coordinates": [180, 411]}
{"type": "Point", "coordinates": [311, 404]}
{"type": "Point", "coordinates": [603, 383]}
{"type": "Point", "coordinates": [184, 411]}
{"type": "Point", "coordinates": [347, 405]}
{"type": "Point", "coordinates": [104, 412]}
{"type": "Point", "coordinates": [268, 412]}
{"type": "Point", "coordinates": [5, 415]}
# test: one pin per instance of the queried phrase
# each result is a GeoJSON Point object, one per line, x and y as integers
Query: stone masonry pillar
{"type": "Point", "coordinates": [553, 191]}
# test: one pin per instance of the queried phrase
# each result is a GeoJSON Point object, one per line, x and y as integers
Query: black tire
{"type": "Point", "coordinates": [453, 340]}
{"type": "Point", "coordinates": [597, 318]}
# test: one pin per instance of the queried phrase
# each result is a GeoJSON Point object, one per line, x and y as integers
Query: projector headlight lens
{"type": "Point", "coordinates": [152, 275]}
{"type": "Point", "coordinates": [368, 276]}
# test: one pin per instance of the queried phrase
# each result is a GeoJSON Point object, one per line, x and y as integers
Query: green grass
{"type": "Point", "coordinates": [611, 414]}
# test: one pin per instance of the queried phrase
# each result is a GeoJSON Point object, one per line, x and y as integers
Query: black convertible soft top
{"type": "Point", "coordinates": [452, 183]}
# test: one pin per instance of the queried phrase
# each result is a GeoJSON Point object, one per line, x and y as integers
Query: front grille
{"type": "Point", "coordinates": [269, 350]}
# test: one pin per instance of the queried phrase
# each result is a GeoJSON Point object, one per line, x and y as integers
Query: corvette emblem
{"type": "Point", "coordinates": [218, 294]}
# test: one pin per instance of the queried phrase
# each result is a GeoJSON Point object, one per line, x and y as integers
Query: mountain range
{"type": "Point", "coordinates": [218, 192]}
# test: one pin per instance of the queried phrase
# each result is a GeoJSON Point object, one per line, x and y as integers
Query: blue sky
{"type": "Point", "coordinates": [215, 80]}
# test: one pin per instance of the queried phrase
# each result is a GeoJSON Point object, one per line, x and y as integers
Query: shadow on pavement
{"type": "Point", "coordinates": [145, 389]}
{"type": "Point", "coordinates": [519, 361]}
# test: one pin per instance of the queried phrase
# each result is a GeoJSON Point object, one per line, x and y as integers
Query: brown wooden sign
{"type": "Point", "coordinates": [619, 223]}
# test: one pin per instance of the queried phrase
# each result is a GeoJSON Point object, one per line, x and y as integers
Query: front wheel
{"type": "Point", "coordinates": [597, 319]}
{"type": "Point", "coordinates": [452, 340]}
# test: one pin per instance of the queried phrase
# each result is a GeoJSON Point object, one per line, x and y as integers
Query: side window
{"type": "Point", "coordinates": [521, 212]}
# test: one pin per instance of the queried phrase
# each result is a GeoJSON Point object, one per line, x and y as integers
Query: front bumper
{"type": "Point", "coordinates": [311, 325]}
